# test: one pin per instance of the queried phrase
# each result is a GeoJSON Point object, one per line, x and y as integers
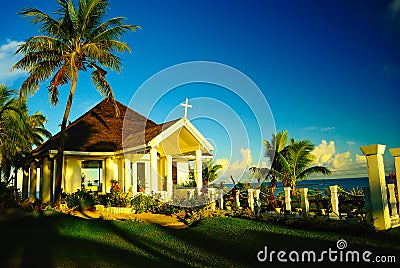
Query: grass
{"type": "Point", "coordinates": [59, 240]}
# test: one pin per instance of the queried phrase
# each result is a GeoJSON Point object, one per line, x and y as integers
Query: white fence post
{"type": "Point", "coordinates": [221, 198]}
{"type": "Point", "coordinates": [377, 183]}
{"type": "Point", "coordinates": [392, 200]}
{"type": "Point", "coordinates": [250, 198]}
{"type": "Point", "coordinates": [305, 206]}
{"type": "Point", "coordinates": [212, 197]}
{"type": "Point", "coordinates": [334, 199]}
{"type": "Point", "coordinates": [257, 196]}
{"type": "Point", "coordinates": [395, 152]}
{"type": "Point", "coordinates": [237, 200]}
{"type": "Point", "coordinates": [288, 200]}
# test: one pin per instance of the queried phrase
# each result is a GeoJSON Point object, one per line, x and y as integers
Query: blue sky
{"type": "Point", "coordinates": [329, 72]}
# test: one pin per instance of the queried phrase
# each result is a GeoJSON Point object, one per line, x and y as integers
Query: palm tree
{"type": "Point", "coordinates": [18, 130]}
{"type": "Point", "coordinates": [260, 174]}
{"type": "Point", "coordinates": [209, 172]}
{"type": "Point", "coordinates": [274, 152]}
{"type": "Point", "coordinates": [74, 41]}
{"type": "Point", "coordinates": [291, 162]}
{"type": "Point", "coordinates": [297, 162]}
{"type": "Point", "coordinates": [11, 113]}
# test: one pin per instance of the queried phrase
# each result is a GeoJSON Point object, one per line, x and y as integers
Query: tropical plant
{"type": "Point", "coordinates": [273, 151]}
{"type": "Point", "coordinates": [19, 131]}
{"type": "Point", "coordinates": [260, 174]}
{"type": "Point", "coordinates": [209, 172]}
{"type": "Point", "coordinates": [75, 39]}
{"type": "Point", "coordinates": [298, 162]}
{"type": "Point", "coordinates": [10, 196]}
{"type": "Point", "coordinates": [81, 200]}
{"type": "Point", "coordinates": [293, 161]}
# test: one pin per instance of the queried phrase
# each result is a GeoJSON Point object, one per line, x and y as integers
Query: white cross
{"type": "Point", "coordinates": [186, 105]}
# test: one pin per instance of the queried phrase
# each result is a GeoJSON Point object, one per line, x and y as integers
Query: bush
{"type": "Point", "coordinates": [10, 196]}
{"type": "Point", "coordinates": [81, 199]}
{"type": "Point", "coordinates": [143, 202]}
{"type": "Point", "coordinates": [191, 216]}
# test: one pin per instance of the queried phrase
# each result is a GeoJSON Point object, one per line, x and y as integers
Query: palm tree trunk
{"type": "Point", "coordinates": [60, 152]}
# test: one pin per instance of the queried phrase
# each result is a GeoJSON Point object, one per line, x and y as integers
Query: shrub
{"type": "Point", "coordinates": [81, 199]}
{"type": "Point", "coordinates": [143, 202]}
{"type": "Point", "coordinates": [10, 196]}
{"type": "Point", "coordinates": [191, 216]}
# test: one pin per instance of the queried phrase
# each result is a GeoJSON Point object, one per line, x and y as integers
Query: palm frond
{"type": "Point", "coordinates": [313, 170]}
{"type": "Point", "coordinates": [99, 80]}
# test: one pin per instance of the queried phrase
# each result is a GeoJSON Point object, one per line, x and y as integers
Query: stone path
{"type": "Point", "coordinates": [160, 219]}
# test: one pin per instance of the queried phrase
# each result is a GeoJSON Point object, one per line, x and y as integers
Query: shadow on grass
{"type": "Point", "coordinates": [61, 240]}
{"type": "Point", "coordinates": [35, 242]}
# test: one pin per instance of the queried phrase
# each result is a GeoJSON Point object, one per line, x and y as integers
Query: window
{"type": "Point", "coordinates": [92, 172]}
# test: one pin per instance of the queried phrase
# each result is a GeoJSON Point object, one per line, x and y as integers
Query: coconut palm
{"type": "Point", "coordinates": [209, 172]}
{"type": "Point", "coordinates": [19, 131]}
{"type": "Point", "coordinates": [298, 160]}
{"type": "Point", "coordinates": [11, 113]}
{"type": "Point", "coordinates": [292, 162]}
{"type": "Point", "coordinates": [74, 40]}
{"type": "Point", "coordinates": [273, 151]}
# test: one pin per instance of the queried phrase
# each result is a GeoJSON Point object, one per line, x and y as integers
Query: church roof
{"type": "Point", "coordinates": [100, 130]}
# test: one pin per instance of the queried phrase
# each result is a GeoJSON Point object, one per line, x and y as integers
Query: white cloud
{"type": "Point", "coordinates": [324, 152]}
{"type": "Point", "coordinates": [341, 164]}
{"type": "Point", "coordinates": [342, 161]}
{"type": "Point", "coordinates": [361, 158]}
{"type": "Point", "coordinates": [327, 129]}
{"type": "Point", "coordinates": [310, 128]}
{"type": "Point", "coordinates": [238, 169]}
{"type": "Point", "coordinates": [7, 60]}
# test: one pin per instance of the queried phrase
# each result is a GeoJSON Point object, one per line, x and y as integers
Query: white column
{"type": "Point", "coordinates": [109, 174]}
{"type": "Point", "coordinates": [153, 170]}
{"type": "Point", "coordinates": [116, 167]}
{"type": "Point", "coordinates": [198, 168]}
{"type": "Point", "coordinates": [221, 198]}
{"type": "Point", "coordinates": [392, 200]}
{"type": "Point", "coordinates": [237, 200]}
{"type": "Point", "coordinates": [168, 171]}
{"type": "Point", "coordinates": [25, 183]}
{"type": "Point", "coordinates": [250, 198]}
{"type": "Point", "coordinates": [395, 152]}
{"type": "Point", "coordinates": [46, 181]}
{"type": "Point", "coordinates": [334, 199]}
{"type": "Point", "coordinates": [288, 200]}
{"type": "Point", "coordinates": [305, 206]}
{"type": "Point", "coordinates": [257, 196]}
{"type": "Point", "coordinates": [377, 185]}
{"type": "Point", "coordinates": [129, 183]}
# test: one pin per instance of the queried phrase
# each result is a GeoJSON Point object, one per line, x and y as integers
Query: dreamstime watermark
{"type": "Point", "coordinates": [338, 254]}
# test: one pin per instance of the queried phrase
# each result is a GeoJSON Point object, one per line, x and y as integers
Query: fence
{"type": "Point", "coordinates": [384, 199]}
{"type": "Point", "coordinates": [335, 203]}
{"type": "Point", "coordinates": [381, 199]}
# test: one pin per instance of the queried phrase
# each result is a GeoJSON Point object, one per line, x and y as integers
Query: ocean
{"type": "Point", "coordinates": [320, 184]}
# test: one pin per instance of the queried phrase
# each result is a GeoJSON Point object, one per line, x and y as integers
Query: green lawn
{"type": "Point", "coordinates": [59, 240]}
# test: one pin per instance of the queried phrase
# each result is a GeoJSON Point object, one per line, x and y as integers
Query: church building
{"type": "Point", "coordinates": [100, 148]}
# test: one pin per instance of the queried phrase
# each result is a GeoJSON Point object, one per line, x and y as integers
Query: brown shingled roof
{"type": "Point", "coordinates": [143, 137]}
{"type": "Point", "coordinates": [99, 130]}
